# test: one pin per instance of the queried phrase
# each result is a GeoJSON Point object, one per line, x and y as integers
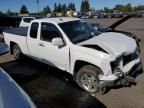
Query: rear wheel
{"type": "Point", "coordinates": [17, 52]}
{"type": "Point", "coordinates": [87, 78]}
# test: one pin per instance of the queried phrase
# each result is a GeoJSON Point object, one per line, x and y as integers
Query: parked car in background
{"type": "Point", "coordinates": [84, 15]}
{"type": "Point", "coordinates": [76, 14]}
{"type": "Point", "coordinates": [49, 15]}
{"type": "Point", "coordinates": [11, 94]}
{"type": "Point", "coordinates": [142, 14]}
{"type": "Point", "coordinates": [99, 27]}
{"type": "Point", "coordinates": [116, 15]}
{"type": "Point", "coordinates": [125, 14]}
{"type": "Point", "coordinates": [109, 15]}
{"type": "Point", "coordinates": [25, 22]}
{"type": "Point", "coordinates": [99, 15]}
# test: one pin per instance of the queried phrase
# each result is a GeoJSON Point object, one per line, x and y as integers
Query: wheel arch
{"type": "Point", "coordinates": [79, 64]}
{"type": "Point", "coordinates": [11, 46]}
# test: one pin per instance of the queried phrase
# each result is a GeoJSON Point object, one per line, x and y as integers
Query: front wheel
{"type": "Point", "coordinates": [87, 78]}
{"type": "Point", "coordinates": [17, 52]}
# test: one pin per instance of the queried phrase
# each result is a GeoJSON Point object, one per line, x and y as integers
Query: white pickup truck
{"type": "Point", "coordinates": [96, 60]}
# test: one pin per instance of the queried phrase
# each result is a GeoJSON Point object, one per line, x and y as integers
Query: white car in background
{"type": "Point", "coordinates": [25, 22]}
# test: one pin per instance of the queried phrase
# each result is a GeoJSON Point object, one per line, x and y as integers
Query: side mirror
{"type": "Point", "coordinates": [57, 42]}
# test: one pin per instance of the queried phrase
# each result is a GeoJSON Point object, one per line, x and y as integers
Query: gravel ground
{"type": "Point", "coordinates": [52, 88]}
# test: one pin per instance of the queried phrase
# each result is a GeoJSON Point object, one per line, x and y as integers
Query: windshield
{"type": "Point", "coordinates": [78, 31]}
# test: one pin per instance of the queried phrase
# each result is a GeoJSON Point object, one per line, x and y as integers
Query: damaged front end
{"type": "Point", "coordinates": [112, 28]}
{"type": "Point", "coordinates": [126, 68]}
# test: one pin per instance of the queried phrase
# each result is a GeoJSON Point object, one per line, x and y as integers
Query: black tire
{"type": "Point", "coordinates": [17, 53]}
{"type": "Point", "coordinates": [89, 70]}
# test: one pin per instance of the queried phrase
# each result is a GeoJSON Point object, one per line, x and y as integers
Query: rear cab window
{"type": "Point", "coordinates": [34, 30]}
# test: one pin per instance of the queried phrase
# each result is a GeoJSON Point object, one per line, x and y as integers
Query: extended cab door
{"type": "Point", "coordinates": [57, 56]}
{"type": "Point", "coordinates": [33, 41]}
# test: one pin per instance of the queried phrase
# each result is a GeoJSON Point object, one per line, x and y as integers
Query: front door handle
{"type": "Point", "coordinates": [41, 44]}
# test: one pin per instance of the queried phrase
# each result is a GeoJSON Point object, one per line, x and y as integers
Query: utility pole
{"type": "Point", "coordinates": [38, 6]}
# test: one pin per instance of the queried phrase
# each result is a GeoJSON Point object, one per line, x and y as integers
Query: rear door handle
{"type": "Point", "coordinates": [41, 44]}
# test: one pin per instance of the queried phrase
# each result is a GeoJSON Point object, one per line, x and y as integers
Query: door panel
{"type": "Point", "coordinates": [32, 40]}
{"type": "Point", "coordinates": [54, 55]}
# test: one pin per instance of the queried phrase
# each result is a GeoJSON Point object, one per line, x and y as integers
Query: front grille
{"type": "Point", "coordinates": [115, 64]}
{"type": "Point", "coordinates": [129, 58]}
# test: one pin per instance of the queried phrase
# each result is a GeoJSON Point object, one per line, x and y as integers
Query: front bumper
{"type": "Point", "coordinates": [127, 77]}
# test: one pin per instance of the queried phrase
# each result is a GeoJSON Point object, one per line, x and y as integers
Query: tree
{"type": "Point", "coordinates": [107, 10]}
{"type": "Point", "coordinates": [24, 10]}
{"type": "Point", "coordinates": [64, 8]}
{"type": "Point", "coordinates": [123, 8]}
{"type": "Point", "coordinates": [37, 1]}
{"type": "Point", "coordinates": [69, 7]}
{"type": "Point", "coordinates": [55, 8]}
{"type": "Point", "coordinates": [129, 7]}
{"type": "Point", "coordinates": [85, 6]}
{"type": "Point", "coordinates": [119, 8]}
{"type": "Point", "coordinates": [8, 13]}
{"type": "Point", "coordinates": [46, 10]}
{"type": "Point", "coordinates": [73, 7]}
{"type": "Point", "coordinates": [82, 6]}
{"type": "Point", "coordinates": [2, 14]}
{"type": "Point", "coordinates": [59, 8]}
{"type": "Point", "coordinates": [139, 8]}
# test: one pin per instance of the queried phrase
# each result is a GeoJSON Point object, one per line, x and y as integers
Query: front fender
{"type": "Point", "coordinates": [103, 64]}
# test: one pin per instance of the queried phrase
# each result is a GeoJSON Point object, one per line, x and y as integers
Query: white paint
{"type": "Point", "coordinates": [115, 44]}
{"type": "Point", "coordinates": [25, 24]}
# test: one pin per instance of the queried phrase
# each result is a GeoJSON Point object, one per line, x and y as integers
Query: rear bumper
{"type": "Point", "coordinates": [132, 74]}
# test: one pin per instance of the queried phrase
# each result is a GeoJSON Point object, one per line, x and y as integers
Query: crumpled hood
{"type": "Point", "coordinates": [114, 43]}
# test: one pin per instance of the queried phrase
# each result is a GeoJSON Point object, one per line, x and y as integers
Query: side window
{"type": "Point", "coordinates": [34, 30]}
{"type": "Point", "coordinates": [48, 32]}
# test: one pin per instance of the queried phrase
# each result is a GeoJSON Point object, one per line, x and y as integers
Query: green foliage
{"type": "Point", "coordinates": [9, 13]}
{"type": "Point", "coordinates": [46, 10]}
{"type": "Point", "coordinates": [139, 8]}
{"type": "Point", "coordinates": [24, 10]}
{"type": "Point", "coordinates": [107, 10]}
{"type": "Point", "coordinates": [64, 8]}
{"type": "Point", "coordinates": [123, 8]}
{"type": "Point", "coordinates": [59, 8]}
{"type": "Point", "coordinates": [2, 14]}
{"type": "Point", "coordinates": [85, 6]}
{"type": "Point", "coordinates": [55, 8]}
{"type": "Point", "coordinates": [71, 7]}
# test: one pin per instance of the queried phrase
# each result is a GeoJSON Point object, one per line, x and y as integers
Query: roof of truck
{"type": "Point", "coordinates": [57, 19]}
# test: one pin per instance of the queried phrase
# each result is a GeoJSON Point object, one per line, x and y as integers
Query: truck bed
{"type": "Point", "coordinates": [18, 31]}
